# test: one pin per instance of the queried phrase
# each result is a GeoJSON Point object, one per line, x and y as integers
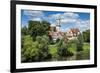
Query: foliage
{"type": "Point", "coordinates": [37, 46]}
{"type": "Point", "coordinates": [72, 46]}
{"type": "Point", "coordinates": [29, 50]}
{"type": "Point", "coordinates": [37, 28]}
{"type": "Point", "coordinates": [53, 51]}
{"type": "Point", "coordinates": [22, 41]}
{"type": "Point", "coordinates": [35, 51]}
{"type": "Point", "coordinates": [86, 36]}
{"type": "Point", "coordinates": [85, 54]}
{"type": "Point", "coordinates": [44, 53]}
{"type": "Point", "coordinates": [57, 40]}
{"type": "Point", "coordinates": [24, 30]}
{"type": "Point", "coordinates": [79, 42]}
{"type": "Point", "coordinates": [62, 49]}
{"type": "Point", "coordinates": [51, 41]}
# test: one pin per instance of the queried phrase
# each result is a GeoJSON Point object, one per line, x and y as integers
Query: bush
{"type": "Point", "coordinates": [51, 41]}
{"type": "Point", "coordinates": [29, 52]}
{"type": "Point", "coordinates": [80, 42]}
{"type": "Point", "coordinates": [57, 40]}
{"type": "Point", "coordinates": [24, 31]}
{"type": "Point", "coordinates": [62, 50]}
{"type": "Point", "coordinates": [86, 36]}
{"type": "Point", "coordinates": [70, 53]}
{"type": "Point", "coordinates": [44, 52]}
{"type": "Point", "coordinates": [35, 51]}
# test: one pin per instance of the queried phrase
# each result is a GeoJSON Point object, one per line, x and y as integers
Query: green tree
{"type": "Point", "coordinates": [24, 30]}
{"type": "Point", "coordinates": [29, 52]}
{"type": "Point", "coordinates": [86, 36]}
{"type": "Point", "coordinates": [44, 52]}
{"type": "Point", "coordinates": [35, 51]}
{"type": "Point", "coordinates": [79, 42]}
{"type": "Point", "coordinates": [37, 28]}
{"type": "Point", "coordinates": [62, 49]}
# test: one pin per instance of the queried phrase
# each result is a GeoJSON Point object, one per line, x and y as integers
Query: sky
{"type": "Point", "coordinates": [68, 20]}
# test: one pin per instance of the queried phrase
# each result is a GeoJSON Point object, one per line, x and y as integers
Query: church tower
{"type": "Point", "coordinates": [58, 24]}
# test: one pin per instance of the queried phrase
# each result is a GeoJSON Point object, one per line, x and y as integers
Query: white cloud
{"type": "Point", "coordinates": [68, 20]}
{"type": "Point", "coordinates": [83, 24]}
{"type": "Point", "coordinates": [71, 19]}
{"type": "Point", "coordinates": [33, 13]}
{"type": "Point", "coordinates": [55, 16]}
{"type": "Point", "coordinates": [67, 17]}
{"type": "Point", "coordinates": [36, 19]}
{"type": "Point", "coordinates": [71, 15]}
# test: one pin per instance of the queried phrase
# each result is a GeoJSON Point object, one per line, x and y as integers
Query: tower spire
{"type": "Point", "coordinates": [58, 22]}
{"type": "Point", "coordinates": [58, 25]}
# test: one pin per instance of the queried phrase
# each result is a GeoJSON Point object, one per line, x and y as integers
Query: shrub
{"type": "Point", "coordinates": [35, 51]}
{"type": "Point", "coordinates": [79, 42]}
{"type": "Point", "coordinates": [62, 49]}
{"type": "Point", "coordinates": [57, 40]}
{"type": "Point", "coordinates": [51, 41]}
{"type": "Point", "coordinates": [29, 52]}
{"type": "Point", "coordinates": [86, 35]}
{"type": "Point", "coordinates": [44, 53]}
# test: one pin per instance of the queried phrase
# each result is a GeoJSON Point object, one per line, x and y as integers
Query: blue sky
{"type": "Point", "coordinates": [69, 20]}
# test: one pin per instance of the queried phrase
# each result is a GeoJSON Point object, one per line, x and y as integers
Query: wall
{"type": "Point", "coordinates": [5, 37]}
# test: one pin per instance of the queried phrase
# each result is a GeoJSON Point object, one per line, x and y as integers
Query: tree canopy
{"type": "Point", "coordinates": [37, 28]}
{"type": "Point", "coordinates": [86, 36]}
